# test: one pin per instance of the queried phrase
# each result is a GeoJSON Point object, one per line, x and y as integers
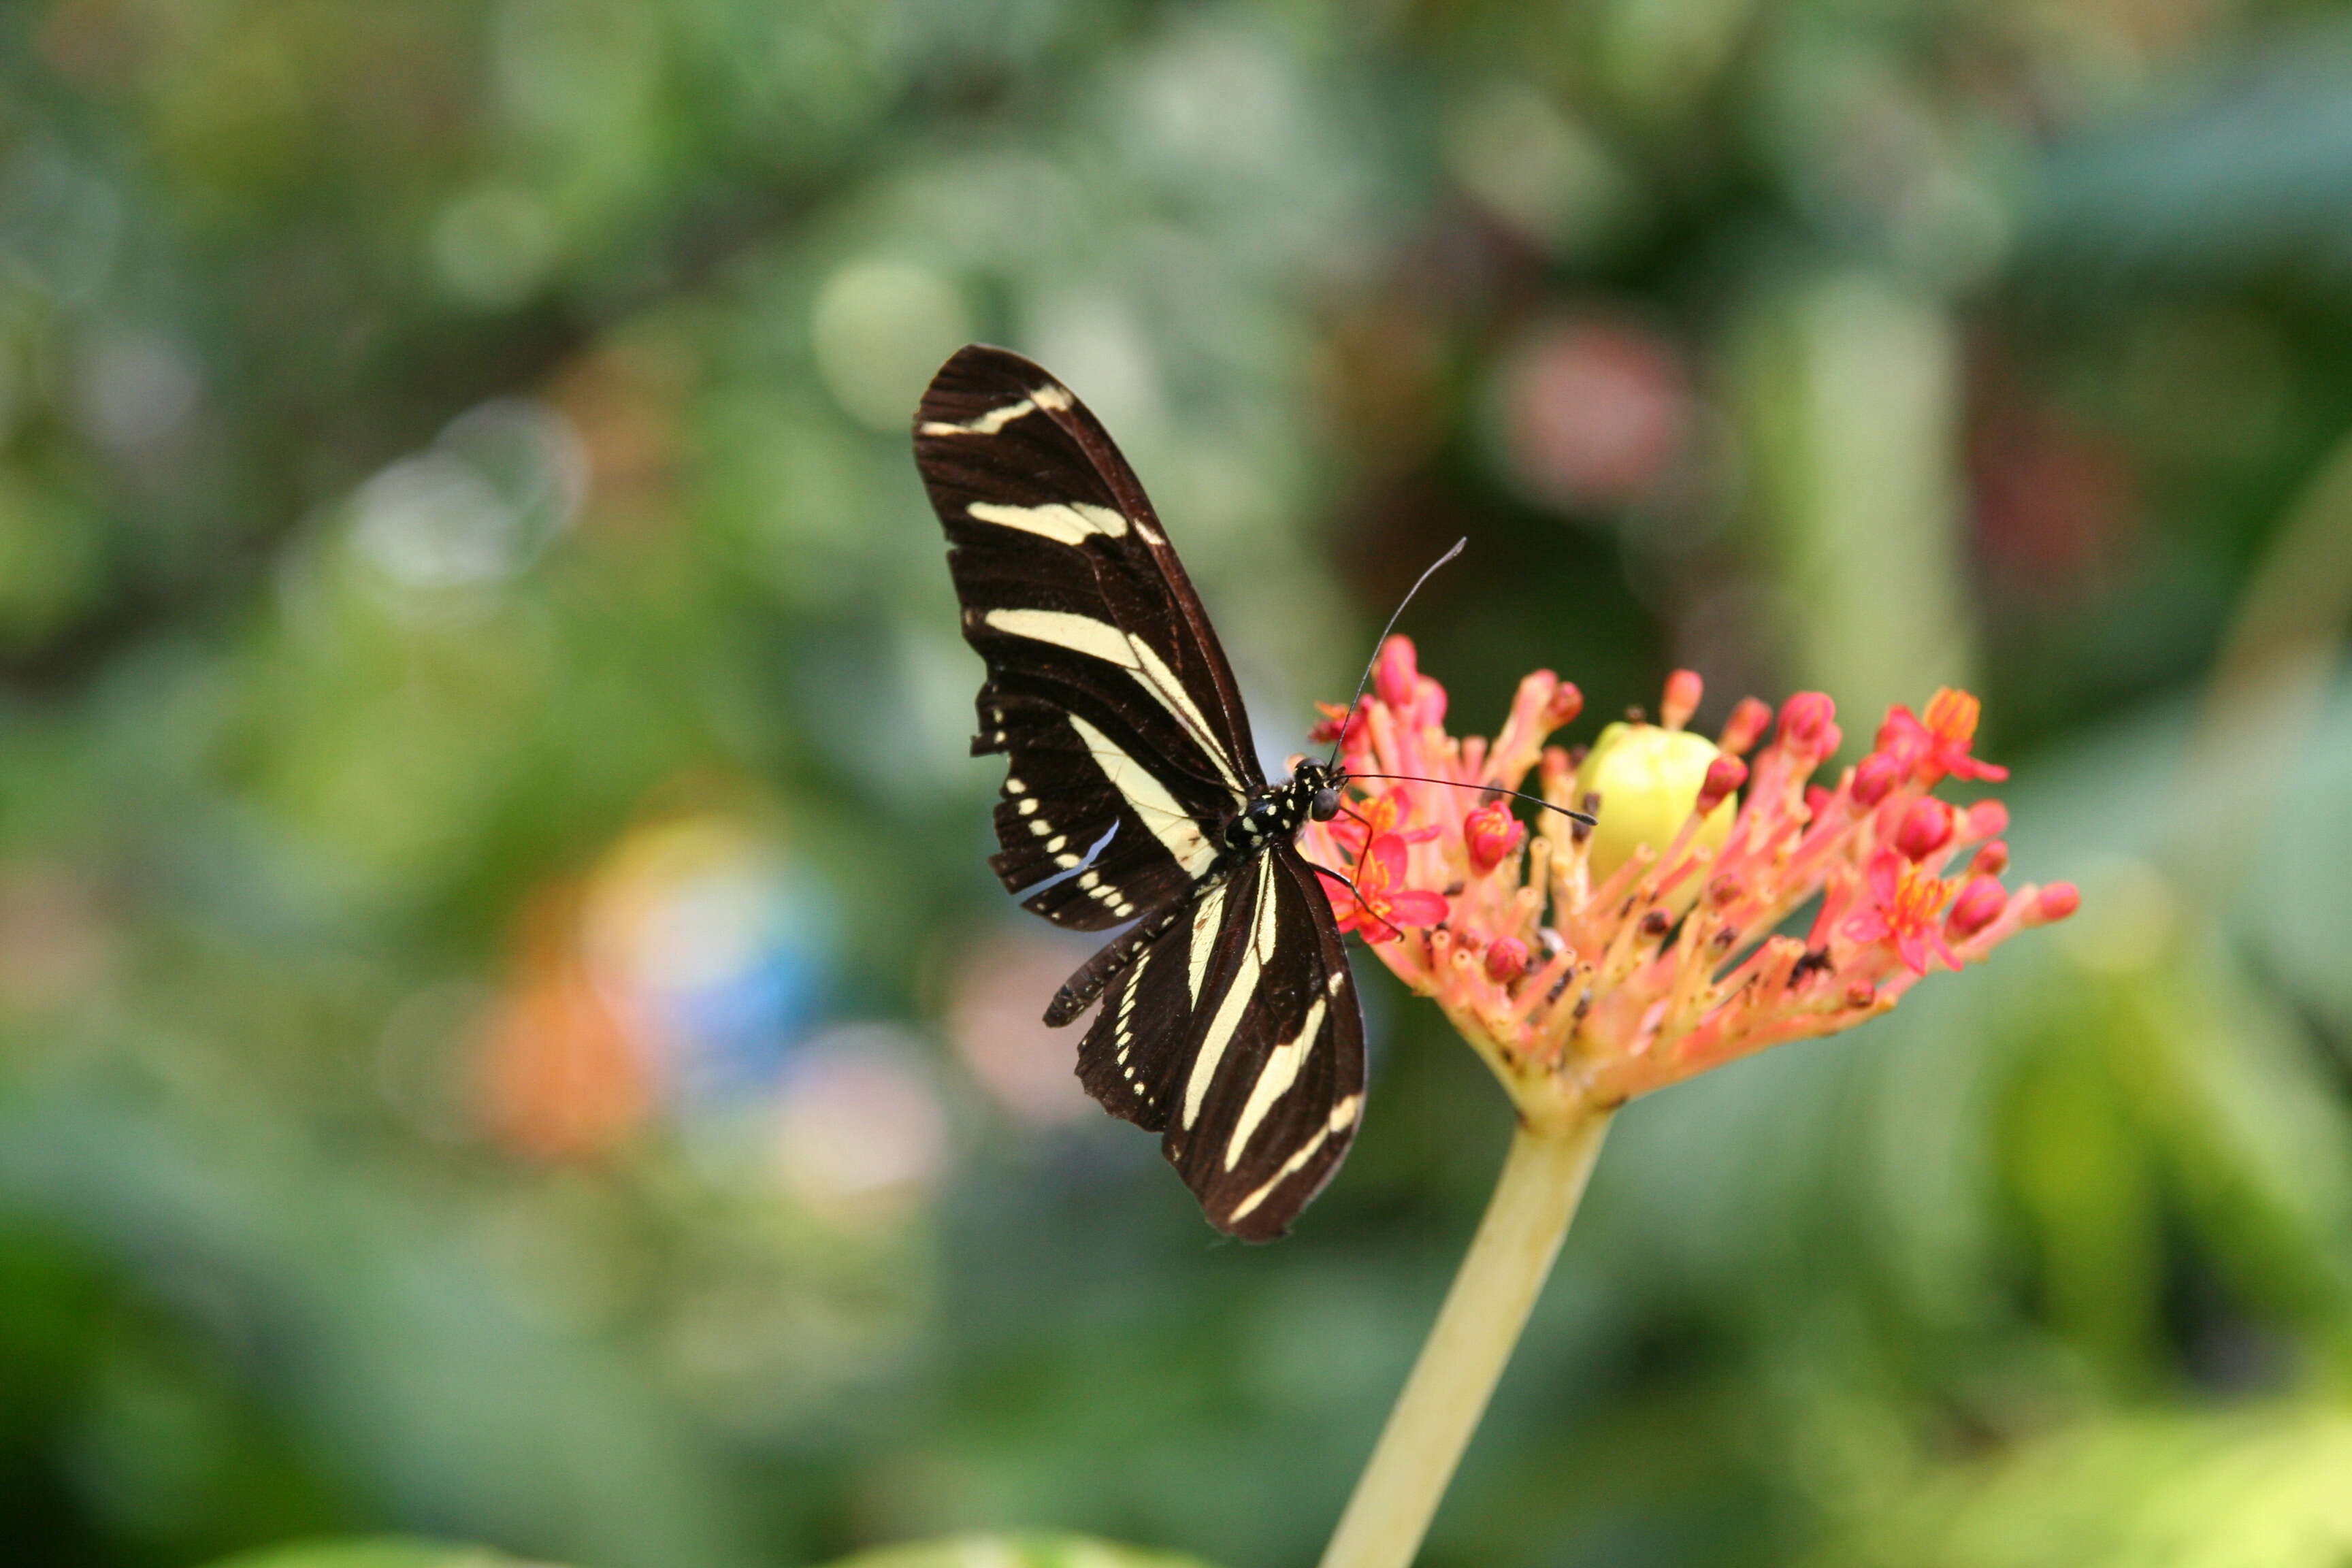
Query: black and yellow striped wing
{"type": "Point", "coordinates": [1106, 686]}
{"type": "Point", "coordinates": [1236, 1036]}
{"type": "Point", "coordinates": [1229, 1023]}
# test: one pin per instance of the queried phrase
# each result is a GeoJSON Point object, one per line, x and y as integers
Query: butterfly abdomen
{"type": "Point", "coordinates": [1078, 992]}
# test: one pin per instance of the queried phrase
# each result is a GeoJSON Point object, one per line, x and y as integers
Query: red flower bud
{"type": "Point", "coordinates": [1817, 800]}
{"type": "Point", "coordinates": [1979, 905]}
{"type": "Point", "coordinates": [1723, 775]}
{"type": "Point", "coordinates": [1492, 834]}
{"type": "Point", "coordinates": [1746, 726]}
{"type": "Point", "coordinates": [1395, 673]}
{"type": "Point", "coordinates": [1506, 958]}
{"type": "Point", "coordinates": [1684, 689]}
{"type": "Point", "coordinates": [2055, 902]}
{"type": "Point", "coordinates": [1926, 827]}
{"type": "Point", "coordinates": [1566, 703]}
{"type": "Point", "coordinates": [1808, 722]}
{"type": "Point", "coordinates": [1992, 860]}
{"type": "Point", "coordinates": [1875, 778]}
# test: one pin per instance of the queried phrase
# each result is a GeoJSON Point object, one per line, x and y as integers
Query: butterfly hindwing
{"type": "Point", "coordinates": [1133, 1056]}
{"type": "Point", "coordinates": [1273, 1088]}
{"type": "Point", "coordinates": [1258, 1088]}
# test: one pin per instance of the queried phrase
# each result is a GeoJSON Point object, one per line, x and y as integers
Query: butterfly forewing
{"type": "Point", "coordinates": [1228, 1022]}
{"type": "Point", "coordinates": [1104, 687]}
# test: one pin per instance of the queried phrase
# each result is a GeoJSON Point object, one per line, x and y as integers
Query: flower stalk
{"type": "Point", "coordinates": [1542, 1183]}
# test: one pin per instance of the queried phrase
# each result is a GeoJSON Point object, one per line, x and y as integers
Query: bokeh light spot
{"type": "Point", "coordinates": [861, 1136]}
{"type": "Point", "coordinates": [995, 1022]}
{"type": "Point", "coordinates": [881, 329]}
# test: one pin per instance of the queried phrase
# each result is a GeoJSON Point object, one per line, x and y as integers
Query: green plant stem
{"type": "Point", "coordinates": [1542, 1182]}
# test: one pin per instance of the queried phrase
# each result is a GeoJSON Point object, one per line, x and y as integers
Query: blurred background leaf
{"type": "Point", "coordinates": [1015, 1552]}
{"type": "Point", "coordinates": [2254, 1487]}
{"type": "Point", "coordinates": [367, 1554]}
{"type": "Point", "coordinates": [958, 1551]}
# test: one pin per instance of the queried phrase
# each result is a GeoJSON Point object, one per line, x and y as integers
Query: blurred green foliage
{"type": "Point", "coordinates": [1022, 1552]}
{"type": "Point", "coordinates": [959, 1551]}
{"type": "Point", "coordinates": [506, 1034]}
{"type": "Point", "coordinates": [368, 1554]}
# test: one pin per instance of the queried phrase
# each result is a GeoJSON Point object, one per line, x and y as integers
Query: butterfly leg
{"type": "Point", "coordinates": [1350, 883]}
{"type": "Point", "coordinates": [1360, 853]}
{"type": "Point", "coordinates": [1367, 848]}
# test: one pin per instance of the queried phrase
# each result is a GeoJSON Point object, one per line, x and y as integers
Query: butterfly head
{"type": "Point", "coordinates": [1323, 785]}
{"type": "Point", "coordinates": [1311, 791]}
{"type": "Point", "coordinates": [1317, 784]}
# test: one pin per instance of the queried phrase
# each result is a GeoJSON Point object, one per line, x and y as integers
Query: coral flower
{"type": "Point", "coordinates": [1492, 836]}
{"type": "Point", "coordinates": [1938, 745]}
{"type": "Point", "coordinates": [1906, 908]}
{"type": "Point", "coordinates": [1381, 904]}
{"type": "Point", "coordinates": [1590, 962]}
{"type": "Point", "coordinates": [1375, 818]}
{"type": "Point", "coordinates": [1597, 965]}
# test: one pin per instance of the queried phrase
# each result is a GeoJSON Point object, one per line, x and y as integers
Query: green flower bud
{"type": "Point", "coordinates": [1649, 779]}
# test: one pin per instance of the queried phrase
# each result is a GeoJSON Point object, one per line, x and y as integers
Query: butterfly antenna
{"type": "Point", "coordinates": [1585, 818]}
{"type": "Point", "coordinates": [1431, 571]}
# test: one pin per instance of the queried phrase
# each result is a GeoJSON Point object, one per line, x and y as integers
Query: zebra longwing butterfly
{"type": "Point", "coordinates": [1229, 1023]}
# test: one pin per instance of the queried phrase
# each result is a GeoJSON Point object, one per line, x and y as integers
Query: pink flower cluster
{"type": "Point", "coordinates": [1584, 985]}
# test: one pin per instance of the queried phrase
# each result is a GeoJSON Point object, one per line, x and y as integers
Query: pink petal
{"type": "Point", "coordinates": [1385, 863]}
{"type": "Point", "coordinates": [1417, 907]}
{"type": "Point", "coordinates": [1870, 927]}
{"type": "Point", "coordinates": [1885, 877]}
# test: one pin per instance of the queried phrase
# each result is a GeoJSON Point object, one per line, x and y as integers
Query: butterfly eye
{"type": "Point", "coordinates": [1326, 805]}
